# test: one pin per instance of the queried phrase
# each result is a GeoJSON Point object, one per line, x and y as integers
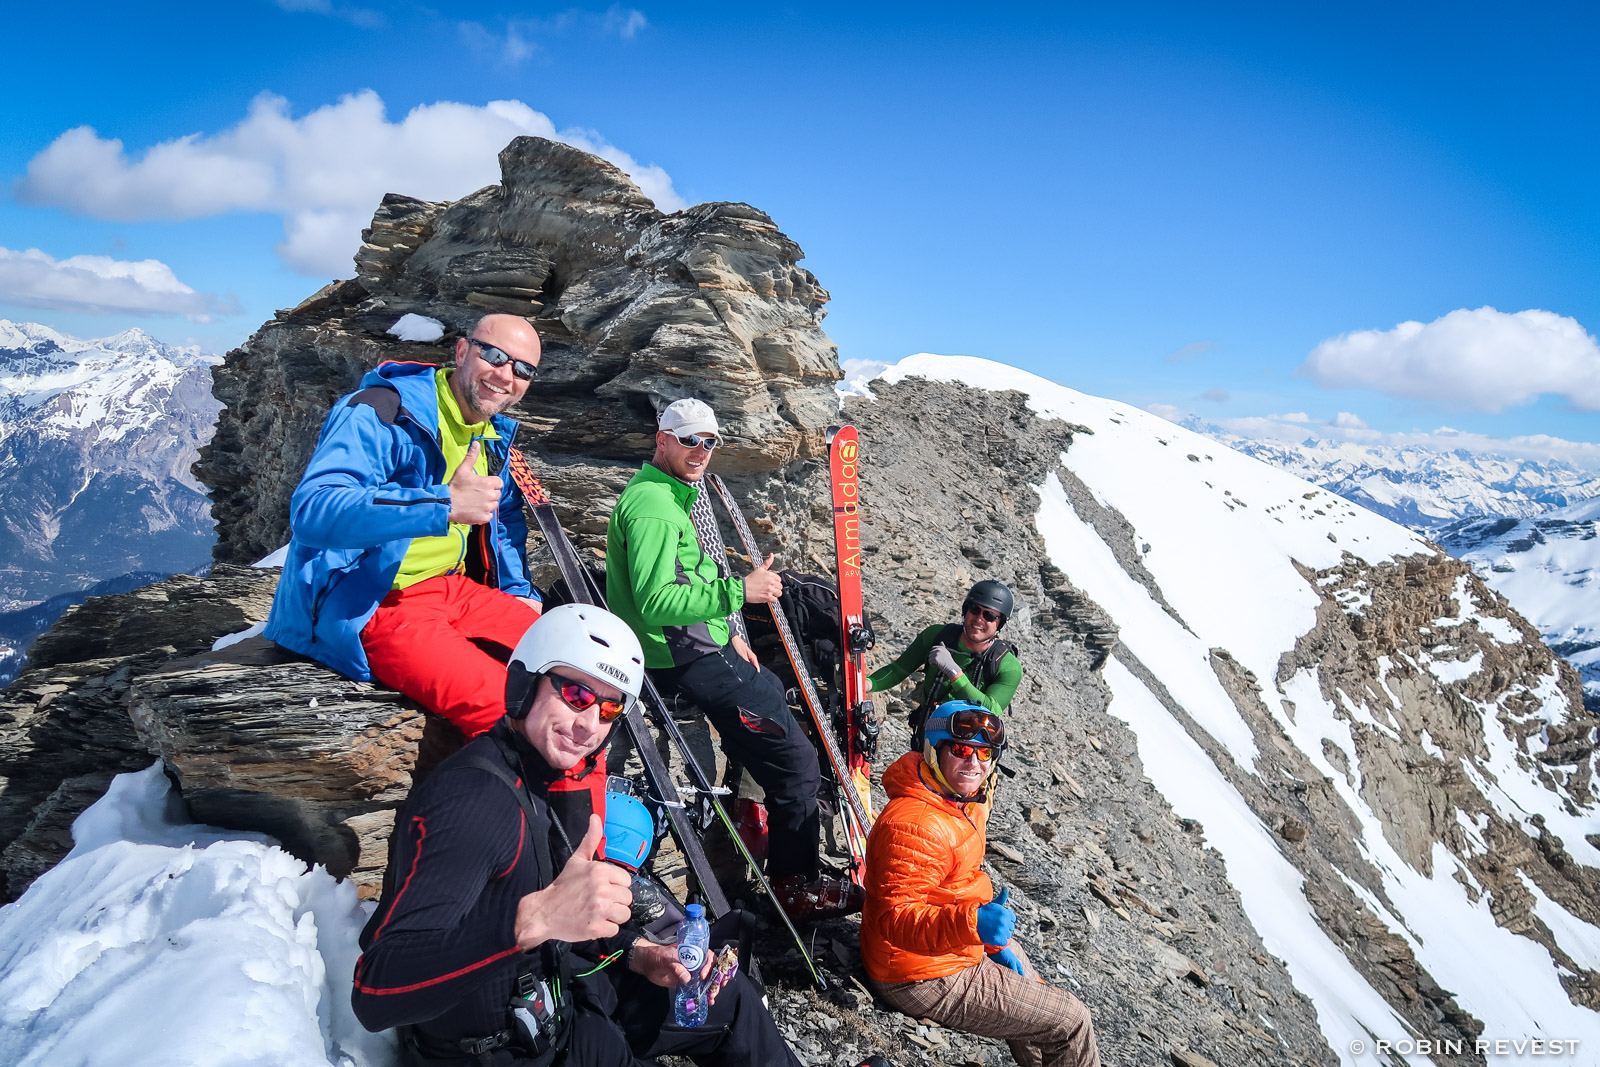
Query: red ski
{"type": "Point", "coordinates": [860, 725]}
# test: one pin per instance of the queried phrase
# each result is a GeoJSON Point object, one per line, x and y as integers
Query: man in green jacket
{"type": "Point", "coordinates": [962, 661]}
{"type": "Point", "coordinates": [672, 593]}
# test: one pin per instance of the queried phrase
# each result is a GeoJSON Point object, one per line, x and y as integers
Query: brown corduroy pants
{"type": "Point", "coordinates": [1045, 1026]}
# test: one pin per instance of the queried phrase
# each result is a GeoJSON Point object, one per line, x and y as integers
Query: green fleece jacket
{"type": "Point", "coordinates": [659, 580]}
{"type": "Point", "coordinates": [997, 698]}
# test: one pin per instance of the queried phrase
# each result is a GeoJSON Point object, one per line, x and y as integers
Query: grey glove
{"type": "Point", "coordinates": [942, 661]}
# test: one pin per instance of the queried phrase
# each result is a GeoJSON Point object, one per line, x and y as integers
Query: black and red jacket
{"type": "Point", "coordinates": [441, 951]}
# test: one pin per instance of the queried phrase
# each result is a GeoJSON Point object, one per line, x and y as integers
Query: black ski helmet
{"type": "Point", "coordinates": [992, 595]}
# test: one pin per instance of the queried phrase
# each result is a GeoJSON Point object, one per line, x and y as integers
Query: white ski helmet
{"type": "Point", "coordinates": [580, 636]}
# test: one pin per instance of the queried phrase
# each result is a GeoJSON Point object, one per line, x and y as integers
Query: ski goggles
{"type": "Point", "coordinates": [496, 358]}
{"type": "Point", "coordinates": [967, 750]}
{"type": "Point", "coordinates": [971, 725]}
{"type": "Point", "coordinates": [580, 697]}
{"type": "Point", "coordinates": [986, 614]}
{"type": "Point", "coordinates": [695, 440]}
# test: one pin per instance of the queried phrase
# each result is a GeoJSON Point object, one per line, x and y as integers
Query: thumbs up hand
{"type": "Point", "coordinates": [590, 898]}
{"type": "Point", "coordinates": [473, 496]}
{"type": "Point", "coordinates": [996, 921]}
{"type": "Point", "coordinates": [762, 586]}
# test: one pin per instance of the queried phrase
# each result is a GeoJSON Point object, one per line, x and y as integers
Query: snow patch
{"type": "Point", "coordinates": [414, 327]}
{"type": "Point", "coordinates": [234, 638]}
{"type": "Point", "coordinates": [273, 559]}
{"type": "Point", "coordinates": [857, 374]}
{"type": "Point", "coordinates": [156, 941]}
{"type": "Point", "coordinates": [1449, 670]}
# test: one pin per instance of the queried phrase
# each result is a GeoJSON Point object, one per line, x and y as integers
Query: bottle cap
{"type": "Point", "coordinates": [694, 911]}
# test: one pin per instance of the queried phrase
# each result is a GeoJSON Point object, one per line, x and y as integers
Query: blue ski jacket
{"type": "Point", "coordinates": [375, 481]}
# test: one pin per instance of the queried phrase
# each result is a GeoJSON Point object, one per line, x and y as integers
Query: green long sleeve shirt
{"type": "Point", "coordinates": [658, 578]}
{"type": "Point", "coordinates": [997, 697]}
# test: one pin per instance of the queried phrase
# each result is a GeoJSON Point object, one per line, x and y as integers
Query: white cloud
{"type": "Point", "coordinates": [360, 16]}
{"type": "Point", "coordinates": [324, 172]}
{"type": "Point", "coordinates": [100, 285]}
{"type": "Point", "coordinates": [1346, 420]}
{"type": "Point", "coordinates": [625, 22]}
{"type": "Point", "coordinates": [1484, 360]}
{"type": "Point", "coordinates": [1193, 350]}
{"type": "Point", "coordinates": [519, 40]}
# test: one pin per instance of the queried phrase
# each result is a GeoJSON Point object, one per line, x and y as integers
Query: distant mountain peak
{"type": "Point", "coordinates": [1424, 488]}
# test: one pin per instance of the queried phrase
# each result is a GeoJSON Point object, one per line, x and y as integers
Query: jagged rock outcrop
{"type": "Point", "coordinates": [635, 309]}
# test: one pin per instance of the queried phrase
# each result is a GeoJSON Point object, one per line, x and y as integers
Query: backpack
{"type": "Point", "coordinates": [811, 604]}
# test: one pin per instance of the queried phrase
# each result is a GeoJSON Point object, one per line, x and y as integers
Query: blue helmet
{"type": "Point", "coordinates": [630, 831]}
{"type": "Point", "coordinates": [964, 721]}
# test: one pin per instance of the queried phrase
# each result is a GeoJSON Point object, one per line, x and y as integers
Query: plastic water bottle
{"type": "Point", "coordinates": [689, 1004]}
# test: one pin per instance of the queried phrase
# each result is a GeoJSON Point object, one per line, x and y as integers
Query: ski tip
{"type": "Point", "coordinates": [833, 431]}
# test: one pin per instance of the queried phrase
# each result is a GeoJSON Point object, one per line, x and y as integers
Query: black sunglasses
{"type": "Point", "coordinates": [984, 613]}
{"type": "Point", "coordinates": [496, 358]}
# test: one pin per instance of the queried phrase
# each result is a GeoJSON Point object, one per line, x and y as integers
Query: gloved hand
{"type": "Point", "coordinates": [1007, 958]}
{"type": "Point", "coordinates": [942, 661]}
{"type": "Point", "coordinates": [996, 921]}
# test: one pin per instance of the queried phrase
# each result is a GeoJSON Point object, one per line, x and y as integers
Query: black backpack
{"type": "Point", "coordinates": [811, 604]}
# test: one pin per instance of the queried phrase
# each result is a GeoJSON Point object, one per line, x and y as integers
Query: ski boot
{"type": "Point", "coordinates": [824, 897]}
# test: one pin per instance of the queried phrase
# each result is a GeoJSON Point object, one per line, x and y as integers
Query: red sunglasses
{"type": "Point", "coordinates": [580, 697]}
{"type": "Point", "coordinates": [963, 750]}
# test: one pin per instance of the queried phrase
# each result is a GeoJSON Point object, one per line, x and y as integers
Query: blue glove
{"type": "Point", "coordinates": [1006, 958]}
{"type": "Point", "coordinates": [996, 921]}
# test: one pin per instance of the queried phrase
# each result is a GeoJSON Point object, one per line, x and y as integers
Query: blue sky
{"type": "Point", "coordinates": [1172, 205]}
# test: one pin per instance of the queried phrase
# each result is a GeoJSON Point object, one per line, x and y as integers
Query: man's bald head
{"type": "Point", "coordinates": [512, 334]}
{"type": "Point", "coordinates": [482, 389]}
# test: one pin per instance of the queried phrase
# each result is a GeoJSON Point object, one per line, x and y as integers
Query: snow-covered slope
{"type": "Point", "coordinates": [160, 942]}
{"type": "Point", "coordinates": [1420, 487]}
{"type": "Point", "coordinates": [1548, 567]}
{"type": "Point", "coordinates": [96, 441]}
{"type": "Point", "coordinates": [1238, 564]}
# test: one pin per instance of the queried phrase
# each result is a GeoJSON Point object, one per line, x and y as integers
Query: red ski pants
{"type": "Point", "coordinates": [420, 641]}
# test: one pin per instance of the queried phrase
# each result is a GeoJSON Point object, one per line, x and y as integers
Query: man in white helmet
{"type": "Point", "coordinates": [500, 941]}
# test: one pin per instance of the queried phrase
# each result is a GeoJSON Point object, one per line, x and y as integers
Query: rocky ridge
{"type": "Point", "coordinates": [1121, 896]}
{"type": "Point", "coordinates": [1547, 567]}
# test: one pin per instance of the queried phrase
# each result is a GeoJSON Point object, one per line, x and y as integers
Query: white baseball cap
{"type": "Point", "coordinates": [688, 416]}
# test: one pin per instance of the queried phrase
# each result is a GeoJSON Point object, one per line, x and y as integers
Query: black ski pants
{"type": "Point", "coordinates": [738, 1031]}
{"type": "Point", "coordinates": [631, 1024]}
{"type": "Point", "coordinates": [747, 706]}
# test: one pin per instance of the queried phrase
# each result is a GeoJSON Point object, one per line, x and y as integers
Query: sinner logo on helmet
{"type": "Point", "coordinates": [614, 671]}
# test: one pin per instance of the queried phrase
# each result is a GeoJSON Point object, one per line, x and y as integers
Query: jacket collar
{"type": "Point", "coordinates": [684, 493]}
{"type": "Point", "coordinates": [416, 383]}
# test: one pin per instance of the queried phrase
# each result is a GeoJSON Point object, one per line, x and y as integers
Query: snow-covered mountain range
{"type": "Point", "coordinates": [96, 441]}
{"type": "Point", "coordinates": [1420, 487]}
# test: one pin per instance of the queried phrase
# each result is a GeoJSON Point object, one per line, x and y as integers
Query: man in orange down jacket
{"type": "Point", "coordinates": [935, 939]}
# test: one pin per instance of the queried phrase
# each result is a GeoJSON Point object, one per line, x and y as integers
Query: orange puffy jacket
{"type": "Point", "coordinates": [924, 880]}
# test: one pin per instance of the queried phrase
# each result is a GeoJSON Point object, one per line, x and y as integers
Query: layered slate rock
{"type": "Point", "coordinates": [635, 308]}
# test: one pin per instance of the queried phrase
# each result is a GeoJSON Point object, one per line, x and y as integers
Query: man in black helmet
{"type": "Point", "coordinates": [966, 660]}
